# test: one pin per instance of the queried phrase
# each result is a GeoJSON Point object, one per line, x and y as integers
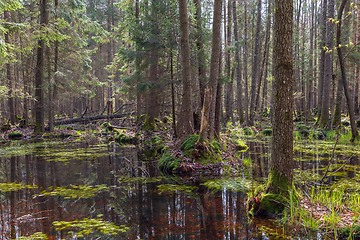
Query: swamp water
{"type": "Point", "coordinates": [93, 190]}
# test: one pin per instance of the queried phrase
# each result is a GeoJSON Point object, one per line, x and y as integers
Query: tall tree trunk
{"type": "Point", "coordinates": [238, 67]}
{"type": "Point", "coordinates": [322, 43]}
{"type": "Point", "coordinates": [201, 52]}
{"type": "Point", "coordinates": [246, 63]}
{"type": "Point", "coordinates": [139, 94]}
{"type": "Point", "coordinates": [309, 98]}
{"type": "Point", "coordinates": [39, 73]}
{"type": "Point", "coordinates": [229, 85]}
{"type": "Point", "coordinates": [280, 180]}
{"type": "Point", "coordinates": [9, 77]}
{"type": "Point", "coordinates": [208, 113]}
{"type": "Point", "coordinates": [354, 131]}
{"type": "Point", "coordinates": [328, 68]}
{"type": "Point", "coordinates": [266, 48]}
{"type": "Point", "coordinates": [255, 69]}
{"type": "Point", "coordinates": [50, 92]}
{"type": "Point", "coordinates": [186, 118]}
{"type": "Point", "coordinates": [357, 70]}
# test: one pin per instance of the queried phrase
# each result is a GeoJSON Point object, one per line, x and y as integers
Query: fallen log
{"type": "Point", "coordinates": [89, 119]}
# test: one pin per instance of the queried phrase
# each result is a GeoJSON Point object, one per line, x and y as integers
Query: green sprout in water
{"type": "Point", "coordinates": [81, 191]}
{"type": "Point", "coordinates": [80, 228]}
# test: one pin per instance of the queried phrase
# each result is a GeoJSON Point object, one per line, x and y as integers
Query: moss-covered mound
{"type": "Point", "coordinates": [15, 135]}
{"type": "Point", "coordinates": [273, 197]}
{"type": "Point", "coordinates": [193, 156]}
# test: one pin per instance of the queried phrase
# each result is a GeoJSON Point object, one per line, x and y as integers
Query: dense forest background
{"type": "Point", "coordinates": [76, 58]}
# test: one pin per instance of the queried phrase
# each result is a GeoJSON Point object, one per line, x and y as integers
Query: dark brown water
{"type": "Point", "coordinates": [130, 196]}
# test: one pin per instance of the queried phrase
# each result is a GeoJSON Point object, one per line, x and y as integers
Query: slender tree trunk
{"type": "Point", "coordinates": [266, 48]}
{"type": "Point", "coordinates": [50, 92]}
{"type": "Point", "coordinates": [309, 98]}
{"type": "Point", "coordinates": [280, 180]}
{"type": "Point", "coordinates": [322, 43]}
{"type": "Point", "coordinates": [229, 85]}
{"type": "Point", "coordinates": [328, 68]}
{"type": "Point", "coordinates": [246, 63]}
{"type": "Point", "coordinates": [201, 52]}
{"type": "Point", "coordinates": [186, 117]}
{"type": "Point", "coordinates": [39, 73]}
{"type": "Point", "coordinates": [354, 131]}
{"type": "Point", "coordinates": [208, 113]}
{"type": "Point", "coordinates": [238, 67]}
{"type": "Point", "coordinates": [172, 93]}
{"type": "Point", "coordinates": [357, 70]}
{"type": "Point", "coordinates": [9, 77]}
{"type": "Point", "coordinates": [255, 69]}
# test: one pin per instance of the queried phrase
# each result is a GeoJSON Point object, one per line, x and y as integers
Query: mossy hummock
{"type": "Point", "coordinates": [273, 197]}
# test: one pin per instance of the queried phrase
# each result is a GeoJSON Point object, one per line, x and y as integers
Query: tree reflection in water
{"type": "Point", "coordinates": [133, 199]}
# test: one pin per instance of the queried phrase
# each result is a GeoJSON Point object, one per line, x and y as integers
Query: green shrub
{"type": "Point", "coordinates": [15, 135]}
{"type": "Point", "coordinates": [168, 163]}
{"type": "Point", "coordinates": [248, 131]}
{"type": "Point", "coordinates": [189, 142]}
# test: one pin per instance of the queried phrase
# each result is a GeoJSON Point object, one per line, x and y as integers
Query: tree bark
{"type": "Point", "coordinates": [354, 131]}
{"type": "Point", "coordinates": [229, 85]}
{"type": "Point", "coordinates": [357, 70]}
{"type": "Point", "coordinates": [255, 69]}
{"type": "Point", "coordinates": [322, 43]}
{"type": "Point", "coordinates": [186, 117]}
{"type": "Point", "coordinates": [246, 63]}
{"type": "Point", "coordinates": [238, 67]}
{"type": "Point", "coordinates": [201, 52]}
{"type": "Point", "coordinates": [206, 133]}
{"type": "Point", "coordinates": [9, 77]}
{"type": "Point", "coordinates": [328, 67]}
{"type": "Point", "coordinates": [280, 180]}
{"type": "Point", "coordinates": [39, 73]}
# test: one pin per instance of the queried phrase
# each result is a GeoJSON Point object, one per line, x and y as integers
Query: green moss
{"type": "Point", "coordinates": [35, 236]}
{"type": "Point", "coordinates": [240, 145]}
{"type": "Point", "coordinates": [273, 197]}
{"type": "Point", "coordinates": [266, 132]}
{"type": "Point", "coordinates": [15, 135]}
{"type": "Point", "coordinates": [80, 191]}
{"type": "Point", "coordinates": [149, 125]}
{"type": "Point", "coordinates": [80, 228]}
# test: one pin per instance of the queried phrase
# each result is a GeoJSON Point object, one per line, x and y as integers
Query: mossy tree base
{"type": "Point", "coordinates": [273, 197]}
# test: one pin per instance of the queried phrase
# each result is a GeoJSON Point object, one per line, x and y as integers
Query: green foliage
{"type": "Point", "coordinates": [240, 145]}
{"type": "Point", "coordinates": [80, 191]}
{"type": "Point", "coordinates": [189, 142]}
{"type": "Point", "coordinates": [247, 131]}
{"type": "Point", "coordinates": [168, 163]}
{"type": "Point", "coordinates": [35, 236]}
{"type": "Point", "coordinates": [81, 228]}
